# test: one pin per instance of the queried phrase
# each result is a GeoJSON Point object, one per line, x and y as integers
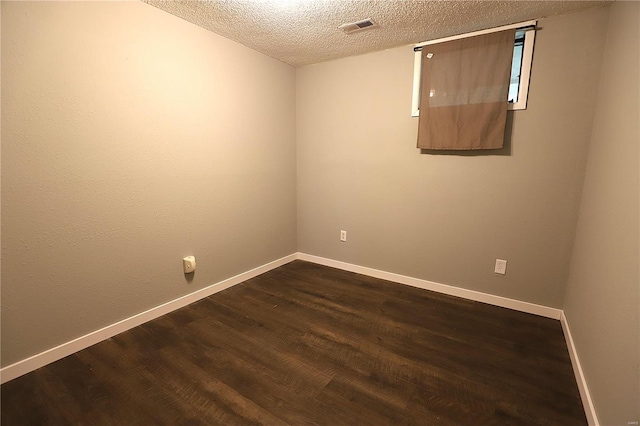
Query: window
{"type": "Point", "coordinates": [465, 85]}
{"type": "Point", "coordinates": [520, 66]}
{"type": "Point", "coordinates": [521, 69]}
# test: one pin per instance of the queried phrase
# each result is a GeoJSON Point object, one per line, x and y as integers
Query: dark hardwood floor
{"type": "Point", "coordinates": [306, 344]}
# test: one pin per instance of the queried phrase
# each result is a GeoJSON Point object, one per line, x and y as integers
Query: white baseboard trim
{"type": "Point", "coordinates": [504, 302]}
{"type": "Point", "coordinates": [34, 362]}
{"type": "Point", "coordinates": [587, 403]}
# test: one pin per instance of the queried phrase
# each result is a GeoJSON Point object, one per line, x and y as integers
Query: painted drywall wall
{"type": "Point", "coordinates": [130, 139]}
{"type": "Point", "coordinates": [603, 291]}
{"type": "Point", "coordinates": [446, 218]}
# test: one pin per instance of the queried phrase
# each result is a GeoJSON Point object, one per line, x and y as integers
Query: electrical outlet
{"type": "Point", "coordinates": [501, 267]}
{"type": "Point", "coordinates": [343, 236]}
{"type": "Point", "coordinates": [189, 264]}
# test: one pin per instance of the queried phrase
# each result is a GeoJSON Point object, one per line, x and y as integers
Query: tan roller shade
{"type": "Point", "coordinates": [464, 90]}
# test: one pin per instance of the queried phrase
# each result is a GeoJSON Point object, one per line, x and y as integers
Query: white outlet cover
{"type": "Point", "coordinates": [501, 267]}
{"type": "Point", "coordinates": [189, 264]}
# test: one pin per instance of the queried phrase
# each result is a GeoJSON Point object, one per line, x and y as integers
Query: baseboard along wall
{"type": "Point", "coordinates": [530, 308]}
{"type": "Point", "coordinates": [34, 362]}
{"type": "Point", "coordinates": [587, 403]}
{"type": "Point", "coordinates": [51, 355]}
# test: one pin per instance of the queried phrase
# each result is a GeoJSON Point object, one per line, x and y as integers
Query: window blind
{"type": "Point", "coordinates": [464, 89]}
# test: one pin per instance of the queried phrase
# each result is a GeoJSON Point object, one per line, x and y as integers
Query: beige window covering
{"type": "Point", "coordinates": [464, 89]}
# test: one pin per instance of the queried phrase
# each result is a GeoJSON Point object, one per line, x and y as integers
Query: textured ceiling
{"type": "Point", "coordinates": [302, 32]}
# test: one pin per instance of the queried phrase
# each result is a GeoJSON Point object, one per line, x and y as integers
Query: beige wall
{"type": "Point", "coordinates": [446, 218]}
{"type": "Point", "coordinates": [603, 292]}
{"type": "Point", "coordinates": [130, 139]}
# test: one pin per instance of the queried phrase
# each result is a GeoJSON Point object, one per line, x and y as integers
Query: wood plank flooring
{"type": "Point", "coordinates": [310, 345]}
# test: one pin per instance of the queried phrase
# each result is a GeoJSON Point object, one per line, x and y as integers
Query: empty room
{"type": "Point", "coordinates": [295, 212]}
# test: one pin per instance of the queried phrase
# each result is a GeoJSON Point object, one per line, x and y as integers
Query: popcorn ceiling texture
{"type": "Point", "coordinates": [303, 32]}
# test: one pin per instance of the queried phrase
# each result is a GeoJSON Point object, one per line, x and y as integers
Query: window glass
{"type": "Point", "coordinates": [516, 68]}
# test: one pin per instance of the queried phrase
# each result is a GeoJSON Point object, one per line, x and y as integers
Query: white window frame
{"type": "Point", "coordinates": [525, 72]}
